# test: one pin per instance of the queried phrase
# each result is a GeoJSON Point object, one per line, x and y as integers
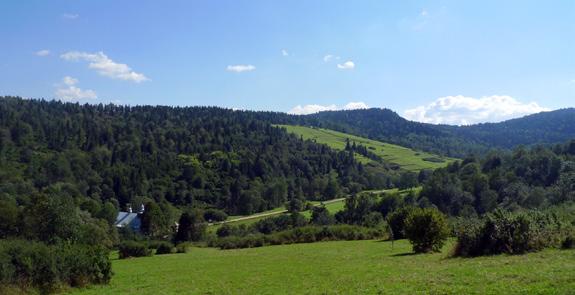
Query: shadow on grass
{"type": "Point", "coordinates": [403, 254]}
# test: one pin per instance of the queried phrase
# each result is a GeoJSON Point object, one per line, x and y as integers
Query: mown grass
{"type": "Point", "coordinates": [406, 158]}
{"type": "Point", "coordinates": [347, 267]}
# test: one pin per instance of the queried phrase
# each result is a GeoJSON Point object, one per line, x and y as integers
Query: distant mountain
{"type": "Point", "coordinates": [545, 128]}
{"type": "Point", "coordinates": [386, 125]}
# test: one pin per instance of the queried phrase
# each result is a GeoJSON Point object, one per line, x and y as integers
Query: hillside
{"type": "Point", "coordinates": [457, 141]}
{"type": "Point", "coordinates": [545, 128]}
{"type": "Point", "coordinates": [197, 156]}
{"type": "Point", "coordinates": [349, 267]}
{"type": "Point", "coordinates": [405, 158]}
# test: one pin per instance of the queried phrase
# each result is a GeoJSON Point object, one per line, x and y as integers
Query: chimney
{"type": "Point", "coordinates": [142, 209]}
{"type": "Point", "coordinates": [129, 208]}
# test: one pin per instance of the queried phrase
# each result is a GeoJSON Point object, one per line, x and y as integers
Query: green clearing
{"type": "Point", "coordinates": [347, 267]}
{"type": "Point", "coordinates": [406, 158]}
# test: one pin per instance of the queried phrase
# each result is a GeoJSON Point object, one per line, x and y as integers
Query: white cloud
{"type": "Point", "coordinates": [348, 65]}
{"type": "Point", "coordinates": [69, 91]}
{"type": "Point", "coordinates": [424, 13]}
{"type": "Point", "coordinates": [69, 80]}
{"type": "Point", "coordinates": [105, 66]}
{"type": "Point", "coordinates": [462, 110]}
{"type": "Point", "coordinates": [240, 68]}
{"type": "Point", "coordinates": [284, 52]}
{"type": "Point", "coordinates": [354, 105]}
{"type": "Point", "coordinates": [70, 15]}
{"type": "Point", "coordinates": [315, 108]}
{"type": "Point", "coordinates": [330, 57]}
{"type": "Point", "coordinates": [43, 52]}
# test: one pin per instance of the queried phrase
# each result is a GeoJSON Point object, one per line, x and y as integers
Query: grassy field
{"type": "Point", "coordinates": [348, 267]}
{"type": "Point", "coordinates": [406, 158]}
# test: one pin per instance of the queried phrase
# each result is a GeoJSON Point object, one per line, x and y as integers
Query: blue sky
{"type": "Point", "coordinates": [456, 62]}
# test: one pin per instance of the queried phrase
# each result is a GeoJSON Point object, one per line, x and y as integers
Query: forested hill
{"type": "Point", "coordinates": [547, 127]}
{"type": "Point", "coordinates": [386, 125]}
{"type": "Point", "coordinates": [193, 156]}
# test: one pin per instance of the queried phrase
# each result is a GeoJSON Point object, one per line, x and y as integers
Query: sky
{"type": "Point", "coordinates": [452, 62]}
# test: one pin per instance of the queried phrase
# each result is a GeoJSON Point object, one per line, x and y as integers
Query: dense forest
{"type": "Point", "coordinates": [200, 156]}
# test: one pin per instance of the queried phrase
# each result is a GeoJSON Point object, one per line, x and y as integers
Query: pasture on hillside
{"type": "Point", "coordinates": [406, 158]}
{"type": "Point", "coordinates": [346, 267]}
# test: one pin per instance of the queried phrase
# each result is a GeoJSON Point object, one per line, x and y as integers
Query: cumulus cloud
{"type": "Point", "coordinates": [240, 68]}
{"type": "Point", "coordinates": [316, 108]}
{"type": "Point", "coordinates": [284, 52]}
{"type": "Point", "coordinates": [70, 15]}
{"type": "Point", "coordinates": [354, 105]}
{"type": "Point", "coordinates": [43, 52]}
{"type": "Point", "coordinates": [105, 66]}
{"type": "Point", "coordinates": [348, 65]}
{"type": "Point", "coordinates": [70, 92]}
{"type": "Point", "coordinates": [462, 110]}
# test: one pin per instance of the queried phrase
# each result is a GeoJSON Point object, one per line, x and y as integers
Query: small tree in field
{"type": "Point", "coordinates": [427, 230]}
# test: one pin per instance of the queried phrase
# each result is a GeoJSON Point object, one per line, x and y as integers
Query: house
{"type": "Point", "coordinates": [129, 219]}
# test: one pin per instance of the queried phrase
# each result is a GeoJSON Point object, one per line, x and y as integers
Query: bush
{"type": "Point", "coordinates": [133, 249]}
{"type": "Point", "coordinates": [164, 248]}
{"type": "Point", "coordinates": [512, 233]}
{"type": "Point", "coordinates": [182, 247]}
{"type": "Point", "coordinates": [224, 230]}
{"type": "Point", "coordinates": [48, 267]}
{"type": "Point", "coordinates": [396, 222]}
{"type": "Point", "coordinates": [307, 234]}
{"type": "Point", "coordinates": [426, 229]}
{"type": "Point", "coordinates": [569, 242]}
{"type": "Point", "coordinates": [215, 215]}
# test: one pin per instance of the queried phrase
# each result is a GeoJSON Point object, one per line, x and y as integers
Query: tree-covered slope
{"type": "Point", "coordinates": [545, 128]}
{"type": "Point", "coordinates": [457, 141]}
{"type": "Point", "coordinates": [198, 156]}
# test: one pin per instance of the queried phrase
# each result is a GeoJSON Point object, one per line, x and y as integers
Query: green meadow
{"type": "Point", "coordinates": [406, 158]}
{"type": "Point", "coordinates": [346, 267]}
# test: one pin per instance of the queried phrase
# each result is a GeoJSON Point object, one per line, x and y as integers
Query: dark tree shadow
{"type": "Point", "coordinates": [403, 254]}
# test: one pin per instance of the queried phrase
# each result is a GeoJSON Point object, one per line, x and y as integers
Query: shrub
{"type": "Point", "coordinates": [164, 248]}
{"type": "Point", "coordinates": [321, 216]}
{"type": "Point", "coordinates": [396, 222]}
{"type": "Point", "coordinates": [224, 230]}
{"type": "Point", "coordinates": [48, 267]}
{"type": "Point", "coordinates": [133, 249]}
{"type": "Point", "coordinates": [512, 233]}
{"type": "Point", "coordinates": [307, 234]}
{"type": "Point", "coordinates": [426, 229]}
{"type": "Point", "coordinates": [569, 242]}
{"type": "Point", "coordinates": [215, 215]}
{"type": "Point", "coordinates": [182, 248]}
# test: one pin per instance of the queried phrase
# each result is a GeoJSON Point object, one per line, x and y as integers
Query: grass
{"type": "Point", "coordinates": [347, 267]}
{"type": "Point", "coordinates": [406, 158]}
